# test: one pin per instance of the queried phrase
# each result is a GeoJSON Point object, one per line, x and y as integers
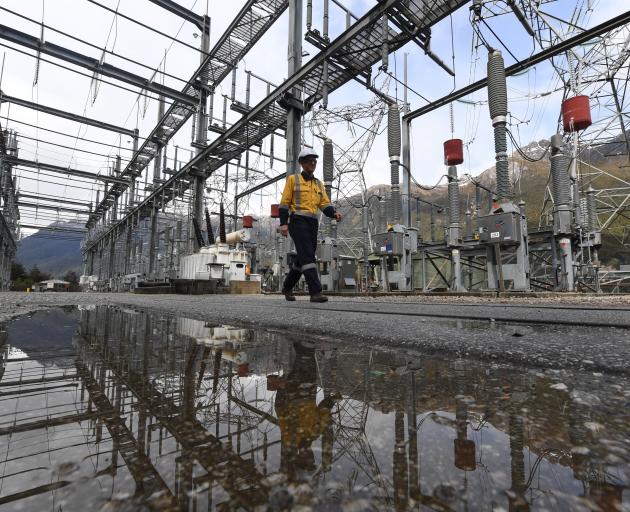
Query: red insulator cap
{"type": "Point", "coordinates": [576, 114]}
{"type": "Point", "coordinates": [453, 152]}
{"type": "Point", "coordinates": [248, 221]}
{"type": "Point", "coordinates": [465, 454]}
{"type": "Point", "coordinates": [274, 382]}
{"type": "Point", "coordinates": [275, 211]}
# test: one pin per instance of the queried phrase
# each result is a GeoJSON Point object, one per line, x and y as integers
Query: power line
{"type": "Point", "coordinates": [68, 147]}
{"type": "Point", "coordinates": [148, 28]}
{"type": "Point", "coordinates": [67, 134]}
{"type": "Point", "coordinates": [41, 173]}
{"type": "Point", "coordinates": [52, 198]}
{"type": "Point", "coordinates": [91, 77]}
{"type": "Point", "coordinates": [93, 45]}
{"type": "Point", "coordinates": [28, 148]}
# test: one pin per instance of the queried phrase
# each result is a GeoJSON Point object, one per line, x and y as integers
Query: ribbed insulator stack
{"type": "Point", "coordinates": [468, 215]}
{"type": "Point", "coordinates": [591, 203]}
{"type": "Point", "coordinates": [211, 240]}
{"type": "Point", "coordinates": [382, 214]}
{"type": "Point", "coordinates": [328, 171]}
{"type": "Point", "coordinates": [584, 212]}
{"type": "Point", "coordinates": [497, 103]}
{"type": "Point", "coordinates": [477, 197]}
{"type": "Point", "coordinates": [497, 88]}
{"type": "Point", "coordinates": [560, 181]}
{"type": "Point", "coordinates": [453, 196]}
{"type": "Point", "coordinates": [328, 167]}
{"type": "Point", "coordinates": [222, 234]}
{"type": "Point", "coordinates": [394, 146]}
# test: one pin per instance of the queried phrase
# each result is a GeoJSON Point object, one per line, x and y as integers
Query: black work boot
{"type": "Point", "coordinates": [318, 297]}
{"type": "Point", "coordinates": [288, 295]}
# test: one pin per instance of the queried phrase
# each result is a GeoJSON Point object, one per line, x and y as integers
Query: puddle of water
{"type": "Point", "coordinates": [107, 408]}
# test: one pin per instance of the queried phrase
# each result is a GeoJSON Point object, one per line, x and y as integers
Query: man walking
{"type": "Point", "coordinates": [302, 197]}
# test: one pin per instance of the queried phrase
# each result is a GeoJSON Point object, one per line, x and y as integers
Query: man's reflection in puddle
{"type": "Point", "coordinates": [302, 420]}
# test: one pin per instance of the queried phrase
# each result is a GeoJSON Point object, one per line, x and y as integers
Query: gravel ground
{"type": "Point", "coordinates": [584, 332]}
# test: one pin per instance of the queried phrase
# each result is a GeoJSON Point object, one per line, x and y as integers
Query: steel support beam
{"type": "Point", "coordinates": [215, 66]}
{"type": "Point", "coordinates": [189, 432]}
{"type": "Point", "coordinates": [92, 64]}
{"type": "Point", "coordinates": [180, 11]}
{"type": "Point", "coordinates": [64, 170]}
{"type": "Point", "coordinates": [26, 204]}
{"type": "Point", "coordinates": [148, 480]}
{"type": "Point", "coordinates": [3, 145]}
{"type": "Point", "coordinates": [260, 186]}
{"type": "Point", "coordinates": [202, 125]}
{"type": "Point", "coordinates": [53, 199]}
{"type": "Point", "coordinates": [48, 423]}
{"type": "Point", "coordinates": [7, 232]}
{"type": "Point", "coordinates": [66, 115]}
{"type": "Point", "coordinates": [524, 64]}
{"type": "Point", "coordinates": [53, 228]}
{"type": "Point", "coordinates": [269, 115]}
{"type": "Point", "coordinates": [294, 113]}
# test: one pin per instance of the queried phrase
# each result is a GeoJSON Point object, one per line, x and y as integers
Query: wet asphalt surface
{"type": "Point", "coordinates": [553, 335]}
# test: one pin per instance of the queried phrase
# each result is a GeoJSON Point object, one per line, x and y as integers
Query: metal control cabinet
{"type": "Point", "coordinates": [324, 251]}
{"type": "Point", "coordinates": [504, 228]}
{"type": "Point", "coordinates": [348, 271]}
{"type": "Point", "coordinates": [390, 244]}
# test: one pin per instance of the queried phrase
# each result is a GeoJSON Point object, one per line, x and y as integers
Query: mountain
{"type": "Point", "coordinates": [53, 253]}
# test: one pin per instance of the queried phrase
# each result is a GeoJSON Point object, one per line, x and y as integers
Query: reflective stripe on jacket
{"type": "Point", "coordinates": [304, 196]}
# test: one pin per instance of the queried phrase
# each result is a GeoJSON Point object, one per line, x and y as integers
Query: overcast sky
{"type": "Point", "coordinates": [534, 96]}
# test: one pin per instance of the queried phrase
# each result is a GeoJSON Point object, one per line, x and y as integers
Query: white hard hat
{"type": "Point", "coordinates": [307, 152]}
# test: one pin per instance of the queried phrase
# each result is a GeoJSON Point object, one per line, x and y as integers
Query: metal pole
{"type": "Point", "coordinates": [112, 257]}
{"type": "Point", "coordinates": [128, 247]}
{"type": "Point", "coordinates": [152, 242]}
{"type": "Point", "coordinates": [132, 185]}
{"type": "Point", "coordinates": [406, 154]}
{"type": "Point", "coordinates": [366, 265]}
{"type": "Point", "coordinates": [157, 161]}
{"type": "Point", "coordinates": [294, 116]}
{"type": "Point", "coordinates": [202, 125]}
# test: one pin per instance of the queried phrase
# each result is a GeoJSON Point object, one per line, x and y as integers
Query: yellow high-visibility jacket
{"type": "Point", "coordinates": [304, 197]}
{"type": "Point", "coordinates": [301, 421]}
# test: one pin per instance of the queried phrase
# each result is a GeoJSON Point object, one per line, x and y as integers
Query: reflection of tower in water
{"type": "Point", "coordinates": [598, 482]}
{"type": "Point", "coordinates": [516, 497]}
{"type": "Point", "coordinates": [464, 447]}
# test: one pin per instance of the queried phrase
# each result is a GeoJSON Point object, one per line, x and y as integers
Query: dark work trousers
{"type": "Point", "coordinates": [303, 231]}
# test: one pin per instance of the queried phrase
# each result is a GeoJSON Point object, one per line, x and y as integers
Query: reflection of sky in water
{"type": "Point", "coordinates": [239, 428]}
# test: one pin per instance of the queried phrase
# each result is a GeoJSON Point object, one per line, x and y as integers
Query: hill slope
{"type": "Point", "coordinates": [55, 254]}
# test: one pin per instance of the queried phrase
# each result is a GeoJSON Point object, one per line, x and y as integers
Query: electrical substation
{"type": "Point", "coordinates": [469, 347]}
{"type": "Point", "coordinates": [202, 218]}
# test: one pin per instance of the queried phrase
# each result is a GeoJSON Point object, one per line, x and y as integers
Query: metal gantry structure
{"type": "Point", "coordinates": [150, 204]}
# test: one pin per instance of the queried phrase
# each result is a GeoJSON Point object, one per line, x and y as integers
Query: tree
{"type": "Point", "coordinates": [17, 271]}
{"type": "Point", "coordinates": [20, 280]}
{"type": "Point", "coordinates": [37, 275]}
{"type": "Point", "coordinates": [72, 277]}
